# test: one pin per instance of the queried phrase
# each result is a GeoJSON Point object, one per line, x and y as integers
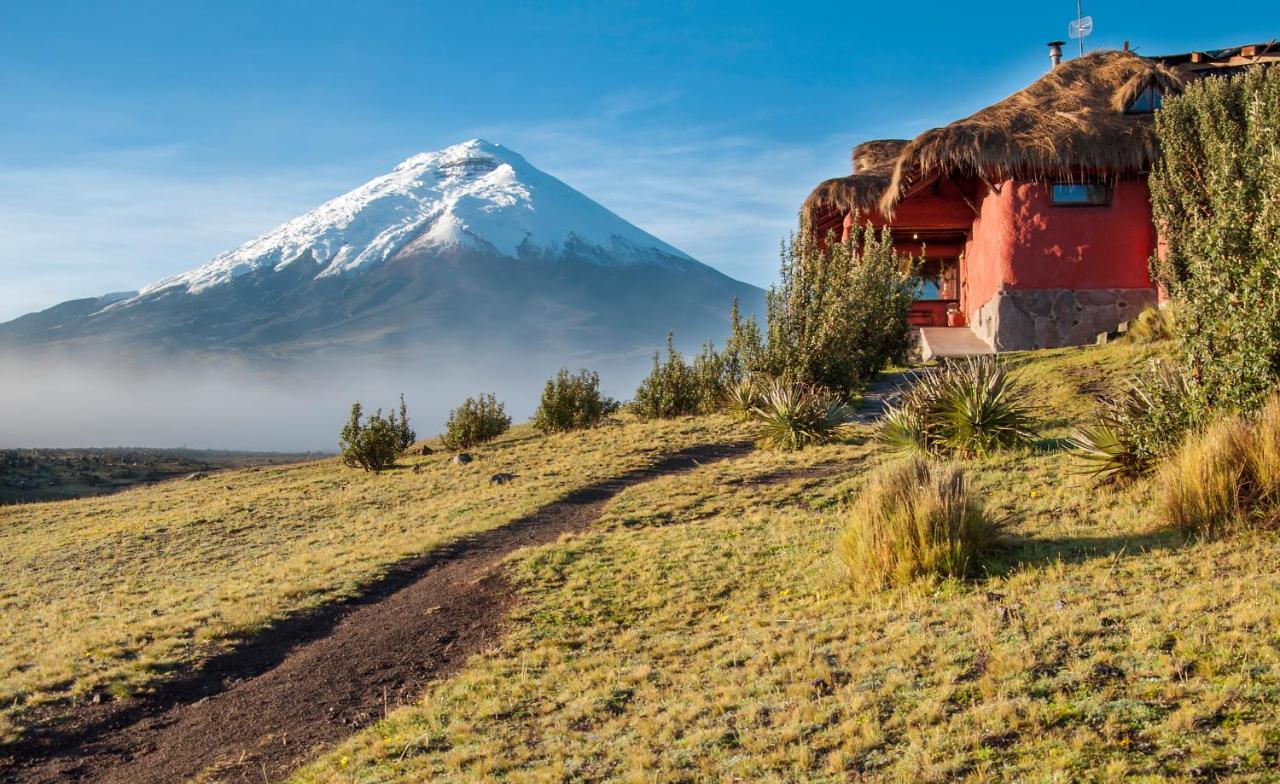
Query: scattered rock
{"type": "Point", "coordinates": [501, 479]}
{"type": "Point", "coordinates": [462, 458]}
{"type": "Point", "coordinates": [426, 450]}
{"type": "Point", "coordinates": [196, 475]}
{"type": "Point", "coordinates": [417, 468]}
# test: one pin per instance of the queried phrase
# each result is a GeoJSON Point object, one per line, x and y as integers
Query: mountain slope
{"type": "Point", "coordinates": [467, 248]}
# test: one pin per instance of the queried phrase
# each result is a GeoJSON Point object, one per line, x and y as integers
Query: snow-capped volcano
{"type": "Point", "coordinates": [469, 248]}
{"type": "Point", "coordinates": [475, 194]}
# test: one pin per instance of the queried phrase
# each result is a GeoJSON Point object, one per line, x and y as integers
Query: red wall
{"type": "Point", "coordinates": [1021, 241]}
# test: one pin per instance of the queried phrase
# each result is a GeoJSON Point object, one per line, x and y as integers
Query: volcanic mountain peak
{"type": "Point", "coordinates": [474, 194]}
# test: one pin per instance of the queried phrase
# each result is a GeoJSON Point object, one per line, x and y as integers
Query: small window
{"type": "Point", "coordinates": [1080, 194]}
{"type": "Point", "coordinates": [1146, 101]}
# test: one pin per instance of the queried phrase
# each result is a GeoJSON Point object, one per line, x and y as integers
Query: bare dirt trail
{"type": "Point", "coordinates": [261, 710]}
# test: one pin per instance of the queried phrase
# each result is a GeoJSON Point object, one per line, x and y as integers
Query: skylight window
{"type": "Point", "coordinates": [1146, 101]}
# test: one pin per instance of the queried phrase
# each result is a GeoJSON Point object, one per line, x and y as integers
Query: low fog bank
{"type": "Point", "coordinates": [64, 403]}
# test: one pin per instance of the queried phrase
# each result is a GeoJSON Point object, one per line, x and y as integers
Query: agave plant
{"type": "Point", "coordinates": [1147, 418]}
{"type": "Point", "coordinates": [793, 415]}
{"type": "Point", "coordinates": [967, 408]}
{"type": "Point", "coordinates": [742, 398]}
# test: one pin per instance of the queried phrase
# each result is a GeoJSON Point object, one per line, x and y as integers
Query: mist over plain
{"type": "Point", "coordinates": [96, 403]}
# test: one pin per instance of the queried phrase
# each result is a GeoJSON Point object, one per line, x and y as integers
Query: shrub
{"type": "Point", "coordinates": [1213, 197]}
{"type": "Point", "coordinates": [912, 521]}
{"type": "Point", "coordinates": [966, 408]}
{"type": "Point", "coordinates": [373, 445]}
{"type": "Point", "coordinates": [670, 389]}
{"type": "Point", "coordinates": [404, 434]}
{"type": "Point", "coordinates": [474, 422]}
{"type": "Point", "coordinates": [837, 316]}
{"type": "Point", "coordinates": [1154, 324]}
{"type": "Point", "coordinates": [1132, 429]}
{"type": "Point", "coordinates": [1226, 477]}
{"type": "Point", "coordinates": [572, 402]}
{"type": "Point", "coordinates": [793, 415]}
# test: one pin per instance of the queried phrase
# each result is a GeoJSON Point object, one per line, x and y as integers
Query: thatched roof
{"type": "Point", "coordinates": [872, 168]}
{"type": "Point", "coordinates": [1069, 122]}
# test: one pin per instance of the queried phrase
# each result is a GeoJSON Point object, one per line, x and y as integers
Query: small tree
{"type": "Point", "coordinates": [475, 422]}
{"type": "Point", "coordinates": [1214, 200]}
{"type": "Point", "coordinates": [372, 445]}
{"type": "Point", "coordinates": [404, 433]}
{"type": "Point", "coordinates": [571, 402]}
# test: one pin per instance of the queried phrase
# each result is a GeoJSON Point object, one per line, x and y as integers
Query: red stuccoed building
{"type": "Point", "coordinates": [1032, 215]}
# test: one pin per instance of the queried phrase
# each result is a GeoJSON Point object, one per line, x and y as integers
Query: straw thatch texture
{"type": "Point", "coordinates": [873, 166]}
{"type": "Point", "coordinates": [1070, 122]}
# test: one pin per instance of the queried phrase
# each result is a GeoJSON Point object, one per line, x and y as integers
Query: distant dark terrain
{"type": "Point", "coordinates": [30, 475]}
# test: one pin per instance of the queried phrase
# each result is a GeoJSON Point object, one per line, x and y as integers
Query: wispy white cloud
{"type": "Point", "coordinates": [119, 221]}
{"type": "Point", "coordinates": [726, 198]}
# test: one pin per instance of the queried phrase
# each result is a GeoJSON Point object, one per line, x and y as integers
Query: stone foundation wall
{"type": "Point", "coordinates": [1015, 320]}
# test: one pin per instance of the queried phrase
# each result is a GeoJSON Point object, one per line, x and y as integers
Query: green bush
{"type": "Point", "coordinates": [671, 389]}
{"type": "Point", "coordinates": [966, 408]}
{"type": "Point", "coordinates": [793, 415]}
{"type": "Point", "coordinates": [1132, 429]}
{"type": "Point", "coordinates": [1225, 478]}
{"type": "Point", "coordinates": [372, 445]}
{"type": "Point", "coordinates": [911, 522]}
{"type": "Point", "coordinates": [404, 434]}
{"type": "Point", "coordinates": [474, 422]}
{"type": "Point", "coordinates": [572, 402]}
{"type": "Point", "coordinates": [837, 316]}
{"type": "Point", "coordinates": [1214, 200]}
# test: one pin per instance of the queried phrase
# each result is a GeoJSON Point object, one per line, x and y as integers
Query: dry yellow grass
{"type": "Point", "coordinates": [703, 632]}
{"type": "Point", "coordinates": [109, 594]}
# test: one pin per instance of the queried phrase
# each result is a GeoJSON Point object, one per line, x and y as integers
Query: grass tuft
{"type": "Point", "coordinates": [1226, 478]}
{"type": "Point", "coordinates": [914, 521]}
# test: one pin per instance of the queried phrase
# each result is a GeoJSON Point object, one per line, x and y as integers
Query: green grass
{"type": "Point", "coordinates": [702, 632]}
{"type": "Point", "coordinates": [108, 595]}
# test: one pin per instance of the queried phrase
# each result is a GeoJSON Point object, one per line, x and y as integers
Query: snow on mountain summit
{"type": "Point", "coordinates": [475, 194]}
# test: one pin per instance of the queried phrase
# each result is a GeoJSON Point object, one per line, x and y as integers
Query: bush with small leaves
{"type": "Point", "coordinates": [913, 521]}
{"type": "Point", "coordinates": [572, 402]}
{"type": "Point", "coordinates": [404, 433]}
{"type": "Point", "coordinates": [372, 445]}
{"type": "Point", "coordinates": [670, 389]}
{"type": "Point", "coordinates": [474, 422]}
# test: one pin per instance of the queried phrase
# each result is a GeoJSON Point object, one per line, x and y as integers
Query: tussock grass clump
{"type": "Point", "coordinates": [1226, 478]}
{"type": "Point", "coordinates": [1133, 428]}
{"type": "Point", "coordinates": [1154, 324]}
{"type": "Point", "coordinates": [966, 408]}
{"type": "Point", "coordinates": [913, 521]}
{"type": "Point", "coordinates": [793, 415]}
{"type": "Point", "coordinates": [474, 422]}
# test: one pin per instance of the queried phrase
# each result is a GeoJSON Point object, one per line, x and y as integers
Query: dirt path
{"type": "Point", "coordinates": [254, 714]}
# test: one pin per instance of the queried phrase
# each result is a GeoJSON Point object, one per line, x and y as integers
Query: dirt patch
{"type": "Point", "coordinates": [254, 714]}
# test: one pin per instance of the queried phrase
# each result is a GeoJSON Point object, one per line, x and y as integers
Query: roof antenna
{"type": "Point", "coordinates": [1080, 27]}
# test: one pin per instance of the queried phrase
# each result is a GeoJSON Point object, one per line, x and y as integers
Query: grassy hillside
{"type": "Point", "coordinates": [702, 632]}
{"type": "Point", "coordinates": [101, 597]}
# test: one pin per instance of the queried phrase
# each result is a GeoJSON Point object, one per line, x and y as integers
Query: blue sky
{"type": "Point", "coordinates": [141, 138]}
